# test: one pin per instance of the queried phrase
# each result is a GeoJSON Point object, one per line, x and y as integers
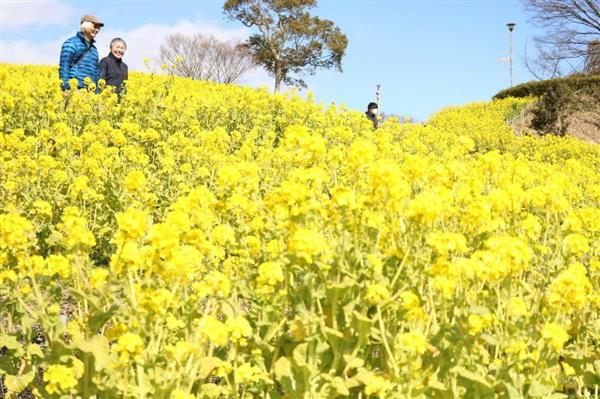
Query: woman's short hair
{"type": "Point", "coordinates": [117, 40]}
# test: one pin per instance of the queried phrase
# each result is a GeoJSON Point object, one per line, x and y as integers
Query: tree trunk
{"type": "Point", "coordinates": [278, 77]}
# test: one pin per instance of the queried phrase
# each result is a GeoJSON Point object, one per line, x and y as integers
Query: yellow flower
{"type": "Point", "coordinates": [43, 208]}
{"type": "Point", "coordinates": [555, 335]}
{"type": "Point", "coordinates": [98, 276]}
{"type": "Point", "coordinates": [213, 330]}
{"type": "Point", "coordinates": [412, 304]}
{"type": "Point", "coordinates": [374, 384]}
{"type": "Point", "coordinates": [239, 329]}
{"type": "Point", "coordinates": [74, 227]}
{"type": "Point", "coordinates": [269, 275]}
{"type": "Point", "coordinates": [129, 346]}
{"type": "Point", "coordinates": [16, 233]}
{"type": "Point", "coordinates": [222, 234]}
{"type": "Point", "coordinates": [173, 323]}
{"type": "Point", "coordinates": [211, 390]}
{"type": "Point", "coordinates": [361, 152]}
{"type": "Point", "coordinates": [214, 284]}
{"type": "Point", "coordinates": [576, 244]}
{"type": "Point", "coordinates": [180, 351]}
{"type": "Point", "coordinates": [179, 394]}
{"type": "Point", "coordinates": [446, 243]}
{"type": "Point", "coordinates": [59, 379]}
{"type": "Point", "coordinates": [377, 294]}
{"type": "Point", "coordinates": [413, 343]}
{"type": "Point", "coordinates": [133, 224]}
{"type": "Point", "coordinates": [307, 244]}
{"type": "Point", "coordinates": [58, 264]}
{"type": "Point", "coordinates": [517, 307]}
{"type": "Point", "coordinates": [570, 290]}
{"type": "Point", "coordinates": [478, 323]}
{"type": "Point", "coordinates": [135, 181]}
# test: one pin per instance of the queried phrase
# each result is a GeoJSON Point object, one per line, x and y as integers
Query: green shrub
{"type": "Point", "coordinates": [558, 99]}
{"type": "Point", "coordinates": [585, 84]}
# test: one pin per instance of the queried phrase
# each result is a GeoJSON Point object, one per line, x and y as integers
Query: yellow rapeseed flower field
{"type": "Point", "coordinates": [195, 240]}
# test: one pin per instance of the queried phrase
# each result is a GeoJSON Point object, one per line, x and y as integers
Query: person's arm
{"type": "Point", "coordinates": [102, 69]}
{"type": "Point", "coordinates": [123, 84]}
{"type": "Point", "coordinates": [66, 57]}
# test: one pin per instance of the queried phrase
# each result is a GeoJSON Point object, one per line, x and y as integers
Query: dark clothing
{"type": "Point", "coordinates": [78, 59]}
{"type": "Point", "coordinates": [114, 71]}
{"type": "Point", "coordinates": [373, 119]}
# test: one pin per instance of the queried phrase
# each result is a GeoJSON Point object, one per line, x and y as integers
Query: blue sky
{"type": "Point", "coordinates": [426, 54]}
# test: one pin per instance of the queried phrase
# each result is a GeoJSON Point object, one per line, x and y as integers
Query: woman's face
{"type": "Point", "coordinates": [118, 50]}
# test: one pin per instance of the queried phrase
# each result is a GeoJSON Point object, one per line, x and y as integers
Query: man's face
{"type": "Point", "coordinates": [92, 31]}
{"type": "Point", "coordinates": [118, 50]}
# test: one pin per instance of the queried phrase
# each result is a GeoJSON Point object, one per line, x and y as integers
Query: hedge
{"type": "Point", "coordinates": [589, 84]}
{"type": "Point", "coordinates": [558, 100]}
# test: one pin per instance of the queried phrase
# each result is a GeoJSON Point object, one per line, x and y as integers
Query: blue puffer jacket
{"type": "Point", "coordinates": [87, 66]}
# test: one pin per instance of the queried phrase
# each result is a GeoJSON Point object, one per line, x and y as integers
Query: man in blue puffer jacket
{"type": "Point", "coordinates": [79, 56]}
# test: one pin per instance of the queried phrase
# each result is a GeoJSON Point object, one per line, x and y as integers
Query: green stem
{"type": "Point", "coordinates": [385, 342]}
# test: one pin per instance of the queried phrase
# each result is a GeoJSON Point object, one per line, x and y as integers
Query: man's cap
{"type": "Point", "coordinates": [91, 18]}
{"type": "Point", "coordinates": [372, 105]}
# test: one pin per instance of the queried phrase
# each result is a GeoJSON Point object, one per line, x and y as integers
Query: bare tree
{"type": "Point", "coordinates": [206, 58]}
{"type": "Point", "coordinates": [592, 64]}
{"type": "Point", "coordinates": [570, 26]}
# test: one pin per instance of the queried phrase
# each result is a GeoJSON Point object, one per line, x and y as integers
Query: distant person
{"type": "Point", "coordinates": [112, 68]}
{"type": "Point", "coordinates": [372, 111]}
{"type": "Point", "coordinates": [79, 56]}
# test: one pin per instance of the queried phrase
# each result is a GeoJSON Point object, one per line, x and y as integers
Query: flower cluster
{"type": "Point", "coordinates": [195, 240]}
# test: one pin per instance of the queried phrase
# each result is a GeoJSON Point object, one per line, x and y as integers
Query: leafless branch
{"type": "Point", "coordinates": [570, 29]}
{"type": "Point", "coordinates": [206, 58]}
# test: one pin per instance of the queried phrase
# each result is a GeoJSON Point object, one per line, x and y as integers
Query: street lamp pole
{"type": "Point", "coordinates": [511, 27]}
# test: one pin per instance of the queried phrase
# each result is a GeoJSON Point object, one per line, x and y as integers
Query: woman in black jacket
{"type": "Point", "coordinates": [112, 68]}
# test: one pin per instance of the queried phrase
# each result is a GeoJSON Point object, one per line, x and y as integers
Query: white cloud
{"type": "Point", "coordinates": [15, 16]}
{"type": "Point", "coordinates": [142, 42]}
{"type": "Point", "coordinates": [30, 52]}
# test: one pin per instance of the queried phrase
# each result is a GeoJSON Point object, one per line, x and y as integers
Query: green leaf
{"type": "Point", "coordinates": [537, 389]}
{"type": "Point", "coordinates": [489, 339]}
{"type": "Point", "coordinates": [434, 383]}
{"type": "Point", "coordinates": [333, 333]}
{"type": "Point", "coordinates": [207, 365]}
{"type": "Point", "coordinates": [35, 350]}
{"type": "Point", "coordinates": [300, 355]}
{"type": "Point", "coordinates": [362, 325]}
{"type": "Point", "coordinates": [590, 379]}
{"type": "Point", "coordinates": [285, 375]}
{"type": "Point", "coordinates": [471, 376]}
{"type": "Point", "coordinates": [273, 329]}
{"type": "Point", "coordinates": [98, 320]}
{"type": "Point", "coordinates": [98, 347]}
{"type": "Point", "coordinates": [353, 362]}
{"type": "Point", "coordinates": [512, 391]}
{"type": "Point", "coordinates": [18, 384]}
{"type": "Point", "coordinates": [228, 310]}
{"type": "Point", "coordinates": [340, 387]}
{"type": "Point", "coordinates": [10, 342]}
{"type": "Point", "coordinates": [283, 368]}
{"type": "Point", "coordinates": [81, 295]}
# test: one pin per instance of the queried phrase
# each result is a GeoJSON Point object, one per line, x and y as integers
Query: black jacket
{"type": "Point", "coordinates": [114, 71]}
{"type": "Point", "coordinates": [373, 119]}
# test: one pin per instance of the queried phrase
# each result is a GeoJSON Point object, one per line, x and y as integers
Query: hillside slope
{"type": "Point", "coordinates": [197, 240]}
